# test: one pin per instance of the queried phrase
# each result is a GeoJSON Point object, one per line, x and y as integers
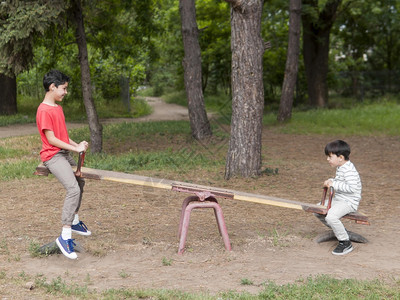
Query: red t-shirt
{"type": "Point", "coordinates": [51, 118]}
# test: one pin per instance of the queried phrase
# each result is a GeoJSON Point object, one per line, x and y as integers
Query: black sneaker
{"type": "Point", "coordinates": [343, 248]}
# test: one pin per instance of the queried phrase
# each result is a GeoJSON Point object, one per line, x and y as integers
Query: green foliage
{"type": "Point", "coordinates": [141, 41]}
{"type": "Point", "coordinates": [165, 69]}
{"type": "Point", "coordinates": [16, 119]}
{"type": "Point", "coordinates": [177, 97]}
{"type": "Point", "coordinates": [116, 47]}
{"type": "Point", "coordinates": [21, 21]}
{"type": "Point", "coordinates": [213, 21]}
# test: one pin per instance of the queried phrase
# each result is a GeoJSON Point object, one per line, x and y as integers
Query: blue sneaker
{"type": "Point", "coordinates": [66, 247]}
{"type": "Point", "coordinates": [80, 228]}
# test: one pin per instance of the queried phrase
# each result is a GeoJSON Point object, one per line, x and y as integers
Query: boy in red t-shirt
{"type": "Point", "coordinates": [55, 154]}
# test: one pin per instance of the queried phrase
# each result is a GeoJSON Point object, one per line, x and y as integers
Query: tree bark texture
{"type": "Point", "coordinates": [199, 122]}
{"type": "Point", "coordinates": [292, 62]}
{"type": "Point", "coordinates": [96, 129]}
{"type": "Point", "coordinates": [316, 35]}
{"type": "Point", "coordinates": [244, 154]}
{"type": "Point", "coordinates": [8, 95]}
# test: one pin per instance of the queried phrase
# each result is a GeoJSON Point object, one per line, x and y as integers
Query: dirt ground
{"type": "Point", "coordinates": [134, 242]}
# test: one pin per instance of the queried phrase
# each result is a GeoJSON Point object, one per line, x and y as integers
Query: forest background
{"type": "Point", "coordinates": [349, 50]}
{"type": "Point", "coordinates": [136, 47]}
{"type": "Point", "coordinates": [137, 44]}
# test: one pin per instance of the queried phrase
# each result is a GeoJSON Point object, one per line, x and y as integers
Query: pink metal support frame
{"type": "Point", "coordinates": [201, 200]}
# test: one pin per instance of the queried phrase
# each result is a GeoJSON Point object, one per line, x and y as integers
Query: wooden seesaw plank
{"type": "Point", "coordinates": [194, 188]}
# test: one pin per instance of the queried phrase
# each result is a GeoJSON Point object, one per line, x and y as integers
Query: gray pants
{"type": "Point", "coordinates": [332, 219]}
{"type": "Point", "coordinates": [60, 166]}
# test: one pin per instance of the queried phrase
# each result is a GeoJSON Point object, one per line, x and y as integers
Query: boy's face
{"type": "Point", "coordinates": [60, 91]}
{"type": "Point", "coordinates": [334, 160]}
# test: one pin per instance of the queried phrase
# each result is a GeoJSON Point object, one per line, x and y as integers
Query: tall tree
{"type": "Point", "coordinates": [20, 23]}
{"type": "Point", "coordinates": [244, 154]}
{"type": "Point", "coordinates": [96, 129]}
{"type": "Point", "coordinates": [8, 94]}
{"type": "Point", "coordinates": [317, 25]}
{"type": "Point", "coordinates": [199, 123]}
{"type": "Point", "coordinates": [292, 61]}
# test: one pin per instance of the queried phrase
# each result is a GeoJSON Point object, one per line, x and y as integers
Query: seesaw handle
{"type": "Point", "coordinates": [331, 192]}
{"type": "Point", "coordinates": [81, 160]}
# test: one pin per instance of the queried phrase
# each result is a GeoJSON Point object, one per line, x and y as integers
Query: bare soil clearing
{"type": "Point", "coordinates": [134, 242]}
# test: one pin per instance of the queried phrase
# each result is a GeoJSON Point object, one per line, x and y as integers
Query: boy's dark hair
{"type": "Point", "coordinates": [56, 77]}
{"type": "Point", "coordinates": [338, 148]}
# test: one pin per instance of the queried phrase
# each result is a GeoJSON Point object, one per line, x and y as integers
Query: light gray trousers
{"type": "Point", "coordinates": [60, 166]}
{"type": "Point", "coordinates": [332, 219]}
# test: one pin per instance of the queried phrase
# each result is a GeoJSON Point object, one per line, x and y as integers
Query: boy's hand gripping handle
{"type": "Point", "coordinates": [81, 160]}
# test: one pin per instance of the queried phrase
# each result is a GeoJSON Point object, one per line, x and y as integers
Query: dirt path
{"type": "Point", "coordinates": [161, 112]}
{"type": "Point", "coordinates": [134, 242]}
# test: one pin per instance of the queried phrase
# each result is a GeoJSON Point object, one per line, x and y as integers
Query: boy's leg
{"type": "Point", "coordinates": [335, 213]}
{"type": "Point", "coordinates": [81, 182]}
{"type": "Point", "coordinates": [60, 167]}
{"type": "Point", "coordinates": [322, 217]}
{"type": "Point", "coordinates": [77, 225]}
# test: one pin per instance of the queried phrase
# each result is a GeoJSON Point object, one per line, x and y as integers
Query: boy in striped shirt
{"type": "Point", "coordinates": [347, 186]}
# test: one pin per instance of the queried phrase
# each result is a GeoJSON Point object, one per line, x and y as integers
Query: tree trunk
{"type": "Point", "coordinates": [244, 154]}
{"type": "Point", "coordinates": [292, 62]}
{"type": "Point", "coordinates": [96, 129]}
{"type": "Point", "coordinates": [8, 95]}
{"type": "Point", "coordinates": [192, 71]}
{"type": "Point", "coordinates": [316, 50]}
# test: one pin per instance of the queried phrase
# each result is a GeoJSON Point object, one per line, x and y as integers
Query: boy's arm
{"type": "Point", "coordinates": [62, 145]}
{"type": "Point", "coordinates": [71, 142]}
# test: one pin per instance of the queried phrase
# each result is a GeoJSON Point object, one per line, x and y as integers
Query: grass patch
{"type": "Point", "coordinates": [8, 152]}
{"type": "Point", "coordinates": [129, 147]}
{"type": "Point", "coordinates": [366, 120]}
{"type": "Point", "coordinates": [245, 281]}
{"type": "Point", "coordinates": [17, 119]}
{"type": "Point", "coordinates": [127, 131]}
{"type": "Point", "coordinates": [161, 160]}
{"type": "Point", "coordinates": [320, 287]}
{"type": "Point", "coordinates": [166, 261]}
{"type": "Point", "coordinates": [59, 286]}
{"type": "Point", "coordinates": [17, 169]}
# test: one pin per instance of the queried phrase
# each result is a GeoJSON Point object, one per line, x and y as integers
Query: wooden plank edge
{"type": "Point", "coordinates": [148, 183]}
{"type": "Point", "coordinates": [268, 201]}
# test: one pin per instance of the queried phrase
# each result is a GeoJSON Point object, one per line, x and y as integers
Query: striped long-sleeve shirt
{"type": "Point", "coordinates": [347, 184]}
